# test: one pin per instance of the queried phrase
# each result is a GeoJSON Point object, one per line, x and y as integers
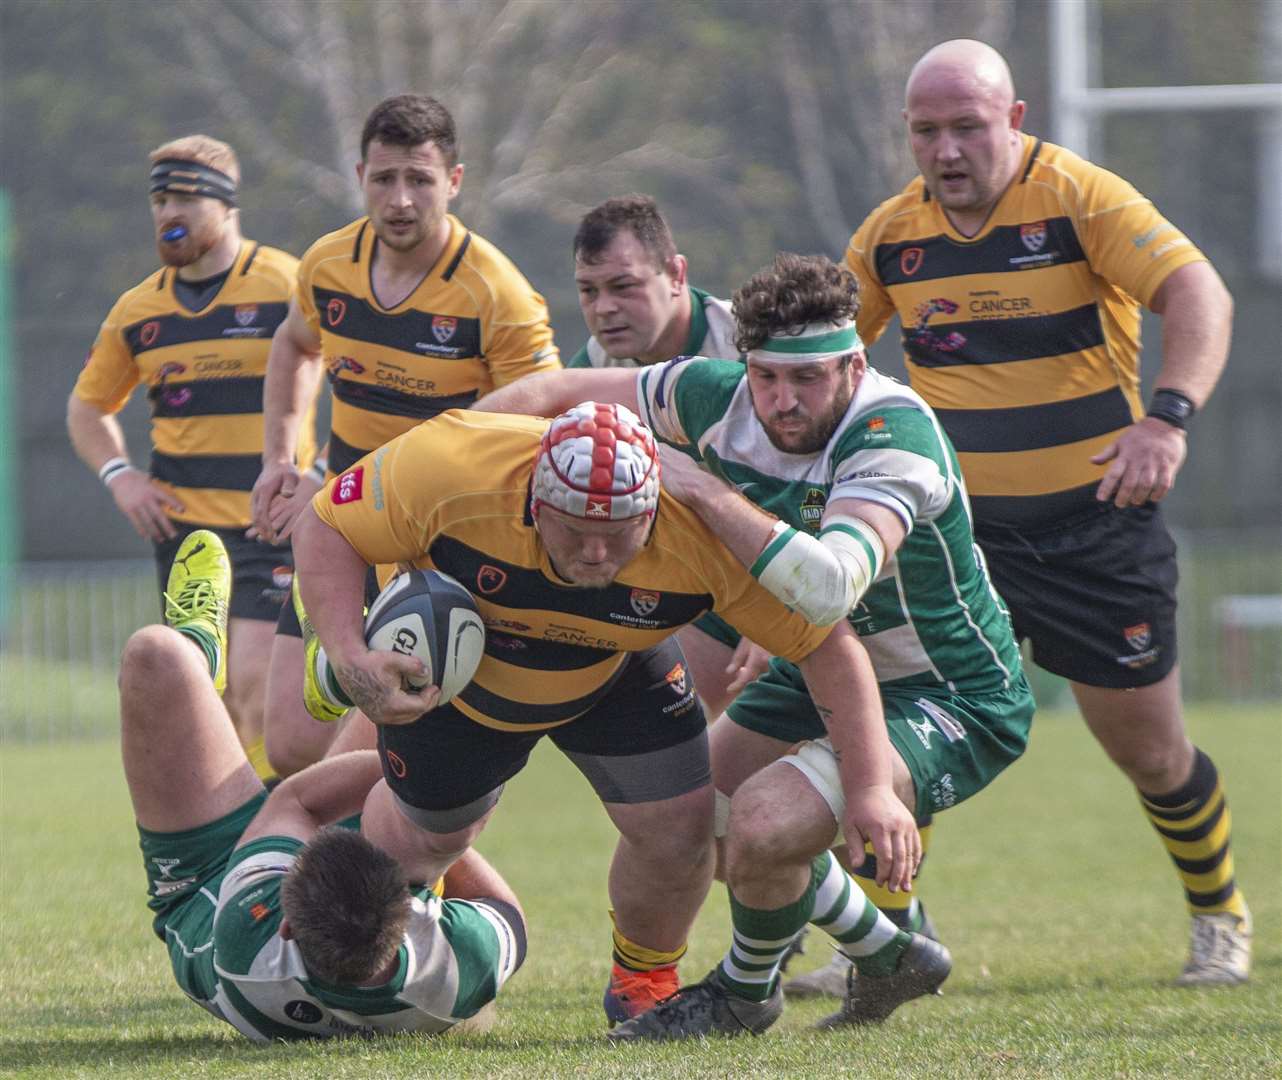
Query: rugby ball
{"type": "Point", "coordinates": [428, 614]}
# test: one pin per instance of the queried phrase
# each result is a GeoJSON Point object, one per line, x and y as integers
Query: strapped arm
{"type": "Point", "coordinates": [822, 578]}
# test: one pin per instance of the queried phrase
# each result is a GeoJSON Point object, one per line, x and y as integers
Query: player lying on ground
{"type": "Point", "coordinates": [277, 920]}
{"type": "Point", "coordinates": [583, 571]}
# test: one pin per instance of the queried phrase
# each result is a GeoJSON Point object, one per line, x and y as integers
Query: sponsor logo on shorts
{"type": "Point", "coordinates": [923, 729]}
{"type": "Point", "coordinates": [947, 725]}
{"type": "Point", "coordinates": [1139, 637]}
{"type": "Point", "coordinates": [910, 260]}
{"type": "Point", "coordinates": [349, 487]}
{"type": "Point", "coordinates": [303, 1012]}
{"type": "Point", "coordinates": [443, 327]}
{"type": "Point", "coordinates": [676, 678]}
{"type": "Point", "coordinates": [1033, 235]}
{"type": "Point", "coordinates": [168, 888]}
{"type": "Point", "coordinates": [396, 764]}
{"type": "Point", "coordinates": [490, 579]}
{"type": "Point", "coordinates": [282, 577]}
{"type": "Point", "coordinates": [644, 601]}
{"type": "Point", "coordinates": [942, 793]}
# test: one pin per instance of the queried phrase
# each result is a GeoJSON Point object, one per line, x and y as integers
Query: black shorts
{"type": "Point", "coordinates": [261, 573]}
{"type": "Point", "coordinates": [649, 714]}
{"type": "Point", "coordinates": [287, 619]}
{"type": "Point", "coordinates": [1095, 595]}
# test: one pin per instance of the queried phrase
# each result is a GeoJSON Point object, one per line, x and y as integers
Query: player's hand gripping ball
{"type": "Point", "coordinates": [428, 614]}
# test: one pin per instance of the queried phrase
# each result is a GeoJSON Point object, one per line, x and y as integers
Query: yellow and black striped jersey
{"type": "Point", "coordinates": [204, 376]}
{"type": "Point", "coordinates": [1025, 337]}
{"type": "Point", "coordinates": [453, 495]}
{"type": "Point", "coordinates": [473, 324]}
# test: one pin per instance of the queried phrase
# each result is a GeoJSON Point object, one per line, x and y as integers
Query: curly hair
{"type": "Point", "coordinates": [347, 904]}
{"type": "Point", "coordinates": [789, 293]}
{"type": "Point", "coordinates": [411, 120]}
{"type": "Point", "coordinates": [637, 213]}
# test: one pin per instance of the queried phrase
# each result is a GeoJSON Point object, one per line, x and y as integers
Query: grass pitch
{"type": "Point", "coordinates": [1061, 909]}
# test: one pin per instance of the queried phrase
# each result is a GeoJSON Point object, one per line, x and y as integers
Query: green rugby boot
{"type": "Point", "coordinates": [320, 693]}
{"type": "Point", "coordinates": [197, 595]}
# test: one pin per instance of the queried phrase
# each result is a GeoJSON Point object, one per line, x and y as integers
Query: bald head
{"type": "Point", "coordinates": [962, 66]}
{"type": "Point", "coordinates": [963, 128]}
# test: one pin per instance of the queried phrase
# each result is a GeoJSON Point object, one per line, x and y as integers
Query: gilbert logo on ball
{"type": "Point", "coordinates": [429, 615]}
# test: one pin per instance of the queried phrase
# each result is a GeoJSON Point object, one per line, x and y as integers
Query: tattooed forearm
{"type": "Point", "coordinates": [367, 692]}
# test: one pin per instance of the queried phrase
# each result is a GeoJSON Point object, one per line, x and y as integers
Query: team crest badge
{"type": "Point", "coordinates": [1033, 235]}
{"type": "Point", "coordinates": [910, 260]}
{"type": "Point", "coordinates": [443, 327]}
{"type": "Point", "coordinates": [350, 487]}
{"type": "Point", "coordinates": [335, 311]}
{"type": "Point", "coordinates": [149, 333]}
{"type": "Point", "coordinates": [246, 314]}
{"type": "Point", "coordinates": [1139, 636]}
{"type": "Point", "coordinates": [490, 579]}
{"type": "Point", "coordinates": [644, 601]}
{"type": "Point", "coordinates": [676, 678]}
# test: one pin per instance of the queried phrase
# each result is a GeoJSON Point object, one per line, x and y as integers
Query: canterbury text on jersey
{"type": "Point", "coordinates": [473, 324]}
{"type": "Point", "coordinates": [1025, 337]}
{"type": "Point", "coordinates": [454, 495]}
{"type": "Point", "coordinates": [204, 375]}
{"type": "Point", "coordinates": [931, 617]}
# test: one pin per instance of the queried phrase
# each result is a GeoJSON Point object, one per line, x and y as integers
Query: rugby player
{"type": "Point", "coordinates": [410, 313]}
{"type": "Point", "coordinates": [197, 333]}
{"type": "Point", "coordinates": [632, 289]}
{"type": "Point", "coordinates": [583, 570]}
{"type": "Point", "coordinates": [1018, 270]}
{"type": "Point", "coordinates": [858, 516]}
{"type": "Point", "coordinates": [276, 919]}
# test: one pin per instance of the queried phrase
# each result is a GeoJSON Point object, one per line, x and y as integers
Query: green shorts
{"type": "Point", "coordinates": [953, 744]}
{"type": "Point", "coordinates": [184, 873]}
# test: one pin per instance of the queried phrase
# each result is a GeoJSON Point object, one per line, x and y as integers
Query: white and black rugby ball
{"type": "Point", "coordinates": [428, 614]}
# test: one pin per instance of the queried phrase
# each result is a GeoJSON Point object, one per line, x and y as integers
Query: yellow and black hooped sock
{"type": "Point", "coordinates": [901, 908]}
{"type": "Point", "coordinates": [1195, 825]}
{"type": "Point", "coordinates": [628, 954]}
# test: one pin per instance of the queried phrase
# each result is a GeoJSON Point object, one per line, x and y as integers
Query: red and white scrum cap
{"type": "Point", "coordinates": [598, 462]}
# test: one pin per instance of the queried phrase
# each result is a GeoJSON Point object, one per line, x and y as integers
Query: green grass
{"type": "Point", "coordinates": [1060, 908]}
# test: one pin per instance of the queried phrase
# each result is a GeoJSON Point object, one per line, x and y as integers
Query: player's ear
{"type": "Point", "coordinates": [1017, 111]}
{"type": "Point", "coordinates": [676, 268]}
{"type": "Point", "coordinates": [286, 931]}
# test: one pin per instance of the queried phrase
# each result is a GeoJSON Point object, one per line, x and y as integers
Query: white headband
{"type": "Point", "coordinates": [812, 343]}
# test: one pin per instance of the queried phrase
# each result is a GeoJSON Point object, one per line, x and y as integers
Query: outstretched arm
{"type": "Point", "coordinates": [844, 689]}
{"type": "Point", "coordinates": [328, 791]}
{"type": "Point", "coordinates": [552, 392]}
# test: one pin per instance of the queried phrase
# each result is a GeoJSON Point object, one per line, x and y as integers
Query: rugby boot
{"type": "Point", "coordinates": [197, 596]}
{"type": "Point", "coordinates": [321, 702]}
{"type": "Point", "coordinates": [703, 1008]}
{"type": "Point", "coordinates": [1219, 950]}
{"type": "Point", "coordinates": [830, 980]}
{"type": "Point", "coordinates": [630, 993]}
{"type": "Point", "coordinates": [923, 966]}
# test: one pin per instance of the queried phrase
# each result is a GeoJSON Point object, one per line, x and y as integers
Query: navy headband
{"type": "Point", "coordinates": [190, 178]}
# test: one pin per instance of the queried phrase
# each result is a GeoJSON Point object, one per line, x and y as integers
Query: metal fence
{"type": "Point", "coordinates": [68, 622]}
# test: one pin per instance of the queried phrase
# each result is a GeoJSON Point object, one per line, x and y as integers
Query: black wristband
{"type": "Point", "coordinates": [1172, 407]}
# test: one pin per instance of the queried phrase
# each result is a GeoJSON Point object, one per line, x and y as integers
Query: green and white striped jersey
{"type": "Point", "coordinates": [932, 616]}
{"type": "Point", "coordinates": [712, 332]}
{"type": "Point", "coordinates": [455, 956]}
